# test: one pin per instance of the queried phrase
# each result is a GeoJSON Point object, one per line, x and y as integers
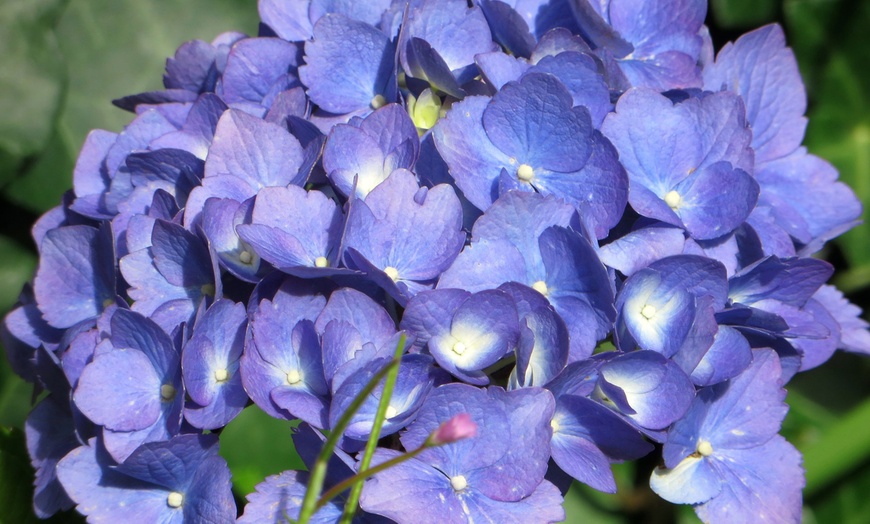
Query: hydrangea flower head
{"type": "Point", "coordinates": [567, 233]}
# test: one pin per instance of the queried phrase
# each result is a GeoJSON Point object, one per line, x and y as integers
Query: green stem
{"type": "Point", "coordinates": [386, 395]}
{"type": "Point", "coordinates": [364, 474]}
{"type": "Point", "coordinates": [318, 472]}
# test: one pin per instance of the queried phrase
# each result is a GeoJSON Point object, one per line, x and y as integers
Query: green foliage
{"type": "Point", "coordinates": [833, 53]}
{"type": "Point", "coordinates": [255, 446]}
{"type": "Point", "coordinates": [111, 49]}
{"type": "Point", "coordinates": [743, 14]}
{"type": "Point", "coordinates": [15, 495]}
{"type": "Point", "coordinates": [32, 77]}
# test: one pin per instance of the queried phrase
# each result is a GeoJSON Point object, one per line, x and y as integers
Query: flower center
{"type": "Point", "coordinates": [245, 257]}
{"type": "Point", "coordinates": [175, 499]}
{"type": "Point", "coordinates": [321, 262]}
{"type": "Point", "coordinates": [207, 290]}
{"type": "Point", "coordinates": [378, 101]}
{"type": "Point", "coordinates": [167, 392]}
{"type": "Point", "coordinates": [459, 348]}
{"type": "Point", "coordinates": [525, 172]}
{"type": "Point", "coordinates": [458, 483]}
{"type": "Point", "coordinates": [221, 375]}
{"type": "Point", "coordinates": [541, 287]}
{"type": "Point", "coordinates": [391, 412]}
{"type": "Point", "coordinates": [294, 377]}
{"type": "Point", "coordinates": [705, 449]}
{"type": "Point", "coordinates": [392, 272]}
{"type": "Point", "coordinates": [648, 311]}
{"type": "Point", "coordinates": [673, 200]}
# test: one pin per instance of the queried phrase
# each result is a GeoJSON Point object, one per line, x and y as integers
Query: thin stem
{"type": "Point", "coordinates": [318, 472]}
{"type": "Point", "coordinates": [362, 475]}
{"type": "Point", "coordinates": [381, 416]}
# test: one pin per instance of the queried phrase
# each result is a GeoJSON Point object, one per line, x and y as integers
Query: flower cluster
{"type": "Point", "coordinates": [594, 231]}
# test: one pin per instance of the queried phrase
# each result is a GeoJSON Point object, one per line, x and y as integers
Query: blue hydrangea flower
{"type": "Point", "coordinates": [133, 386]}
{"type": "Point", "coordinates": [179, 480]}
{"type": "Point", "coordinates": [513, 185]}
{"type": "Point", "coordinates": [488, 476]}
{"type": "Point", "coordinates": [725, 454]}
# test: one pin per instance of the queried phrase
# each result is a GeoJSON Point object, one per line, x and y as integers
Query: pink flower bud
{"type": "Point", "coordinates": [457, 428]}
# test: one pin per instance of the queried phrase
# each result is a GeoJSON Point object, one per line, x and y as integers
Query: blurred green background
{"type": "Point", "coordinates": [63, 61]}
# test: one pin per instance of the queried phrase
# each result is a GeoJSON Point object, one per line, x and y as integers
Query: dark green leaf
{"type": "Point", "coordinates": [40, 187]}
{"type": "Point", "coordinates": [741, 14]}
{"type": "Point", "coordinates": [834, 34]}
{"type": "Point", "coordinates": [845, 502]}
{"type": "Point", "coordinates": [16, 268]}
{"type": "Point", "coordinates": [809, 24]}
{"type": "Point", "coordinates": [15, 495]}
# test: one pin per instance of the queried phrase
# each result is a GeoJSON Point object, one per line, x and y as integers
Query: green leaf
{"type": "Point", "coordinates": [42, 185]}
{"type": "Point", "coordinates": [15, 495]}
{"type": "Point", "coordinates": [845, 502]}
{"type": "Point", "coordinates": [255, 446]}
{"type": "Point", "coordinates": [810, 24]}
{"type": "Point", "coordinates": [114, 48]}
{"type": "Point", "coordinates": [823, 400]}
{"type": "Point", "coordinates": [15, 396]}
{"type": "Point", "coordinates": [734, 14]}
{"type": "Point", "coordinates": [16, 268]}
{"type": "Point", "coordinates": [32, 77]}
{"type": "Point", "coordinates": [840, 448]}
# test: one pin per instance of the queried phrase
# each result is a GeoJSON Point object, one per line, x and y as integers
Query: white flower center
{"type": "Point", "coordinates": [391, 412]}
{"type": "Point", "coordinates": [245, 257]}
{"type": "Point", "coordinates": [525, 172]}
{"type": "Point", "coordinates": [392, 272]}
{"type": "Point", "coordinates": [673, 200]}
{"type": "Point", "coordinates": [705, 449]}
{"type": "Point", "coordinates": [648, 311]}
{"type": "Point", "coordinates": [321, 262]}
{"type": "Point", "coordinates": [541, 287]}
{"type": "Point", "coordinates": [294, 377]}
{"type": "Point", "coordinates": [458, 483]}
{"type": "Point", "coordinates": [459, 348]}
{"type": "Point", "coordinates": [167, 392]}
{"type": "Point", "coordinates": [221, 375]}
{"type": "Point", "coordinates": [175, 499]}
